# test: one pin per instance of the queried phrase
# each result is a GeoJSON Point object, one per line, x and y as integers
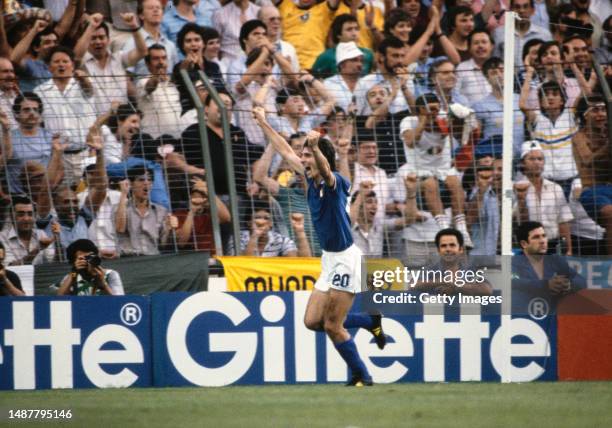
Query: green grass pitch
{"type": "Point", "coordinates": [542, 404]}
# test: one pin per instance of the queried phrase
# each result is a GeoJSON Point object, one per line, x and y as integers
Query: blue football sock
{"type": "Point", "coordinates": [348, 352]}
{"type": "Point", "coordinates": [360, 320]}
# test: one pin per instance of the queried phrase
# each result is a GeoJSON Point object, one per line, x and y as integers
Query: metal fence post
{"type": "Point", "coordinates": [207, 161]}
{"type": "Point", "coordinates": [229, 159]}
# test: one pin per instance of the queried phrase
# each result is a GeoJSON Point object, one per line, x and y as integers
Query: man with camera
{"type": "Point", "coordinates": [87, 276]}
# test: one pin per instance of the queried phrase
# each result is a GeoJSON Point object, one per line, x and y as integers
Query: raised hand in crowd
{"type": "Point", "coordinates": [131, 20]}
{"type": "Point", "coordinates": [124, 187]}
{"type": "Point", "coordinates": [57, 143]}
{"type": "Point", "coordinates": [297, 222]}
{"type": "Point", "coordinates": [96, 19]}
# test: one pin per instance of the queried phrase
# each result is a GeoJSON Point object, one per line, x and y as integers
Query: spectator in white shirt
{"type": "Point", "coordinates": [68, 109]}
{"type": "Point", "coordinates": [345, 84]}
{"type": "Point", "coordinates": [428, 150]}
{"type": "Point", "coordinates": [538, 199]}
{"type": "Point", "coordinates": [108, 70]}
{"type": "Point", "coordinates": [470, 80]}
{"type": "Point", "coordinates": [367, 170]}
{"type": "Point", "coordinates": [158, 97]}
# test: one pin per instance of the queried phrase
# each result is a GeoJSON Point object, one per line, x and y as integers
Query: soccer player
{"type": "Point", "coordinates": [332, 298]}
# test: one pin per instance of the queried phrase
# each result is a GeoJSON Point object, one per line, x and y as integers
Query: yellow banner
{"type": "Point", "coordinates": [270, 273]}
{"type": "Point", "coordinates": [284, 273]}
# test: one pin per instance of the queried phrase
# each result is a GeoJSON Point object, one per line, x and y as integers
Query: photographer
{"type": "Point", "coordinates": [10, 285]}
{"type": "Point", "coordinates": [88, 277]}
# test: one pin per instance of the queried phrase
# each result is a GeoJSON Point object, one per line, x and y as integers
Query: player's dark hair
{"type": "Point", "coordinates": [454, 12]}
{"type": "Point", "coordinates": [190, 27]}
{"type": "Point", "coordinates": [30, 96]}
{"type": "Point", "coordinates": [490, 64]}
{"type": "Point", "coordinates": [247, 28]}
{"type": "Point", "coordinates": [529, 44]}
{"type": "Point", "coordinates": [479, 31]}
{"type": "Point", "coordinates": [153, 47]}
{"type": "Point", "coordinates": [393, 18]}
{"type": "Point", "coordinates": [389, 42]}
{"type": "Point", "coordinates": [524, 229]}
{"type": "Point", "coordinates": [449, 232]}
{"type": "Point", "coordinates": [57, 49]}
{"type": "Point", "coordinates": [327, 149]}
{"type": "Point", "coordinates": [84, 245]}
{"type": "Point", "coordinates": [338, 24]}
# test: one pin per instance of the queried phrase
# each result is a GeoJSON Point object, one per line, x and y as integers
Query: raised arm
{"type": "Point", "coordinates": [7, 147]}
{"type": "Point", "coordinates": [5, 47]}
{"type": "Point", "coordinates": [249, 75]}
{"type": "Point", "coordinates": [98, 186]}
{"type": "Point", "coordinates": [21, 49]}
{"type": "Point", "coordinates": [260, 171]}
{"type": "Point", "coordinates": [301, 240]}
{"type": "Point", "coordinates": [121, 214]}
{"type": "Point", "coordinates": [328, 99]}
{"type": "Point", "coordinates": [67, 20]}
{"type": "Point", "coordinates": [415, 50]}
{"type": "Point", "coordinates": [279, 143]}
{"type": "Point", "coordinates": [523, 100]}
{"type": "Point", "coordinates": [55, 169]}
{"type": "Point", "coordinates": [140, 49]}
{"type": "Point", "coordinates": [82, 44]}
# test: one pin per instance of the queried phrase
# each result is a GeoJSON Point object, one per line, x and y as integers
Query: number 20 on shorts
{"type": "Point", "coordinates": [340, 280]}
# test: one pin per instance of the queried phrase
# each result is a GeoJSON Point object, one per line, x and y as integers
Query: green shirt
{"type": "Point", "coordinates": [325, 65]}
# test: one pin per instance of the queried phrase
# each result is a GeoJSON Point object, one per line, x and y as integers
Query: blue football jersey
{"type": "Point", "coordinates": [329, 209]}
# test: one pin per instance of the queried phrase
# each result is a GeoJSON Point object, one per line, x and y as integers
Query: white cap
{"type": "Point", "coordinates": [529, 146]}
{"type": "Point", "coordinates": [348, 50]}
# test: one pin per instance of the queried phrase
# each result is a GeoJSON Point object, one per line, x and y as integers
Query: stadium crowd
{"type": "Point", "coordinates": [101, 138]}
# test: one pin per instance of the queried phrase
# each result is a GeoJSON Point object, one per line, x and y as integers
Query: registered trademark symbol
{"type": "Point", "coordinates": [130, 314]}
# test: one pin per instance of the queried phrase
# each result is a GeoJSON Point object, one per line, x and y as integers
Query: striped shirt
{"type": "Point", "coordinates": [556, 141]}
{"type": "Point", "coordinates": [277, 245]}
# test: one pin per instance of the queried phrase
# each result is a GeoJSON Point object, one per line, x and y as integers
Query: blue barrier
{"type": "Point", "coordinates": [214, 339]}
